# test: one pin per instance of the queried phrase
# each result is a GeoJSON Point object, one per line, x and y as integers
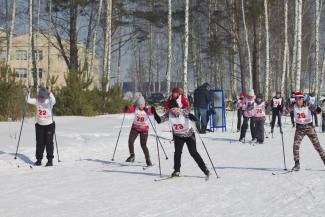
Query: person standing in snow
{"type": "Point", "coordinates": [323, 115]}
{"type": "Point", "coordinates": [182, 133]}
{"type": "Point", "coordinates": [277, 110]}
{"type": "Point", "coordinates": [304, 126]}
{"type": "Point", "coordinates": [290, 102]}
{"type": "Point", "coordinates": [45, 126]}
{"type": "Point", "coordinates": [259, 118]}
{"type": "Point", "coordinates": [240, 111]}
{"type": "Point", "coordinates": [248, 108]}
{"type": "Point", "coordinates": [179, 97]}
{"type": "Point", "coordinates": [202, 101]}
{"type": "Point", "coordinates": [139, 127]}
{"type": "Point", "coordinates": [312, 99]}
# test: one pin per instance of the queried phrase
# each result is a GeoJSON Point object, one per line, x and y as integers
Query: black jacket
{"type": "Point", "coordinates": [202, 97]}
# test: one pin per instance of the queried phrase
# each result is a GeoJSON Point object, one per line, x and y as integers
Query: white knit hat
{"type": "Point", "coordinates": [251, 93]}
{"type": "Point", "coordinates": [140, 101]}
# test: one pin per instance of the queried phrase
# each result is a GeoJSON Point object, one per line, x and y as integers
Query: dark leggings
{"type": "Point", "coordinates": [191, 145]}
{"type": "Point", "coordinates": [143, 141]}
{"type": "Point", "coordinates": [245, 126]}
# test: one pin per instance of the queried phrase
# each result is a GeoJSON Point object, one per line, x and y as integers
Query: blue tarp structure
{"type": "Point", "coordinates": [217, 117]}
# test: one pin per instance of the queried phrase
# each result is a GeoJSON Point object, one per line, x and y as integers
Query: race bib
{"type": "Point", "coordinates": [276, 103]}
{"type": "Point", "coordinates": [42, 113]}
{"type": "Point", "coordinates": [302, 115]}
{"type": "Point", "coordinates": [179, 124]}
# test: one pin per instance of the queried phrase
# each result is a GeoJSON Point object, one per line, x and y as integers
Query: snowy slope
{"type": "Point", "coordinates": [88, 184]}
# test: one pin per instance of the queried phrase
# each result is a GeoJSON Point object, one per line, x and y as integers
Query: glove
{"type": "Point", "coordinates": [125, 108]}
{"type": "Point", "coordinates": [153, 109]}
{"type": "Point", "coordinates": [318, 110]}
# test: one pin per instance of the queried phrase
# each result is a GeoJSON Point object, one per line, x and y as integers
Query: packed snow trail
{"type": "Point", "coordinates": [88, 184]}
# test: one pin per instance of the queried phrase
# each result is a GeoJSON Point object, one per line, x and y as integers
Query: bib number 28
{"type": "Point", "coordinates": [178, 126]}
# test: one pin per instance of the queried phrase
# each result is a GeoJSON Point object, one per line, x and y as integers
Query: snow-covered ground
{"type": "Point", "coordinates": [88, 184]}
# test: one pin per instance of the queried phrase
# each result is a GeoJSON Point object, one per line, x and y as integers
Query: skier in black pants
{"type": "Point", "coordinates": [180, 120]}
{"type": "Point", "coordinates": [259, 118]}
{"type": "Point", "coordinates": [277, 109]}
{"type": "Point", "coordinates": [291, 101]}
{"type": "Point", "coordinates": [239, 105]}
{"type": "Point", "coordinates": [45, 127]}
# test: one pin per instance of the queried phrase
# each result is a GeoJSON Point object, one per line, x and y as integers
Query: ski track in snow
{"type": "Point", "coordinates": [87, 183]}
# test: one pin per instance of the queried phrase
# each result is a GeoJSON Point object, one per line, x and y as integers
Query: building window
{"type": "Point", "coordinates": [21, 55]}
{"type": "Point", "coordinates": [3, 55]}
{"type": "Point", "coordinates": [38, 55]}
{"type": "Point", "coordinates": [40, 72]}
{"type": "Point", "coordinates": [21, 73]}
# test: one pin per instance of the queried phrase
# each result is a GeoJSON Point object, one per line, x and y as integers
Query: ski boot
{"type": "Point", "coordinates": [38, 163]}
{"type": "Point", "coordinates": [296, 166]}
{"type": "Point", "coordinates": [272, 130]}
{"type": "Point", "coordinates": [242, 140]}
{"type": "Point", "coordinates": [130, 159]}
{"type": "Point", "coordinates": [254, 140]}
{"type": "Point", "coordinates": [148, 162]}
{"type": "Point", "coordinates": [49, 163]}
{"type": "Point", "coordinates": [207, 174]}
{"type": "Point", "coordinates": [175, 174]}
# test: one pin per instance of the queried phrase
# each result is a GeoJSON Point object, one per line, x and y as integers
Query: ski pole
{"type": "Point", "coordinates": [22, 124]}
{"type": "Point", "coordinates": [158, 156]}
{"type": "Point", "coordinates": [284, 156]}
{"type": "Point", "coordinates": [206, 150]}
{"type": "Point", "coordinates": [55, 139]}
{"type": "Point", "coordinates": [154, 129]}
{"type": "Point", "coordinates": [118, 137]}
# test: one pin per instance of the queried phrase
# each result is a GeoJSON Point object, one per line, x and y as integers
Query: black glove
{"type": "Point", "coordinates": [153, 109]}
{"type": "Point", "coordinates": [318, 110]}
{"type": "Point", "coordinates": [192, 117]}
{"type": "Point", "coordinates": [155, 115]}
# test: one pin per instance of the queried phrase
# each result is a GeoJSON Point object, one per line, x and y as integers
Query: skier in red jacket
{"type": "Point", "coordinates": [179, 97]}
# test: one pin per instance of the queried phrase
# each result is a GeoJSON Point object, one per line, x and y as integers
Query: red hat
{"type": "Point", "coordinates": [176, 90]}
{"type": "Point", "coordinates": [243, 94]}
{"type": "Point", "coordinates": [299, 94]}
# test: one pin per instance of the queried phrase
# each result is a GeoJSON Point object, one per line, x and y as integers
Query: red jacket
{"type": "Point", "coordinates": [181, 100]}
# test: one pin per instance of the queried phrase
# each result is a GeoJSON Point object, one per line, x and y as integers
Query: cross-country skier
{"type": "Point", "coordinates": [139, 127]}
{"type": "Point", "coordinates": [248, 108]}
{"type": "Point", "coordinates": [240, 110]}
{"type": "Point", "coordinates": [179, 97]}
{"type": "Point", "coordinates": [304, 126]}
{"type": "Point", "coordinates": [290, 102]}
{"type": "Point", "coordinates": [180, 121]}
{"type": "Point", "coordinates": [259, 118]}
{"type": "Point", "coordinates": [45, 126]}
{"type": "Point", "coordinates": [312, 99]}
{"type": "Point", "coordinates": [323, 115]}
{"type": "Point", "coordinates": [277, 110]}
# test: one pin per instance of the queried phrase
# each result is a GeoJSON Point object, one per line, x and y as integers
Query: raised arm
{"type": "Point", "coordinates": [30, 100]}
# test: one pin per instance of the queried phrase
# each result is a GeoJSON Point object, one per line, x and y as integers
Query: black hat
{"type": "Point", "coordinates": [173, 104]}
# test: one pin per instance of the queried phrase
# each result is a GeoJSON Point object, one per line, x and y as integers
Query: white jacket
{"type": "Point", "coordinates": [43, 110]}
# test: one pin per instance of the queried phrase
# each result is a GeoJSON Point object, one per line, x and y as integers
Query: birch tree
{"type": "Point", "coordinates": [247, 44]}
{"type": "Point", "coordinates": [95, 38]}
{"type": "Point", "coordinates": [299, 21]}
{"type": "Point", "coordinates": [285, 52]}
{"type": "Point", "coordinates": [49, 43]}
{"type": "Point", "coordinates": [294, 51]}
{"type": "Point", "coordinates": [317, 21]}
{"type": "Point", "coordinates": [9, 39]}
{"type": "Point", "coordinates": [29, 54]}
{"type": "Point", "coordinates": [108, 44]}
{"type": "Point", "coordinates": [169, 57]}
{"type": "Point", "coordinates": [186, 35]}
{"type": "Point", "coordinates": [267, 50]}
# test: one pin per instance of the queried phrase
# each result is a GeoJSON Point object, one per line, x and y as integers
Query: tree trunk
{"type": "Point", "coordinates": [285, 52]}
{"type": "Point", "coordinates": [50, 26]}
{"type": "Point", "coordinates": [186, 35]}
{"type": "Point", "coordinates": [317, 19]}
{"type": "Point", "coordinates": [29, 54]}
{"type": "Point", "coordinates": [169, 56]}
{"type": "Point", "coordinates": [256, 57]}
{"type": "Point", "coordinates": [93, 53]}
{"type": "Point", "coordinates": [73, 35]}
{"type": "Point", "coordinates": [268, 83]}
{"type": "Point", "coordinates": [299, 21]}
{"type": "Point", "coordinates": [9, 39]}
{"type": "Point", "coordinates": [86, 66]}
{"type": "Point", "coordinates": [247, 45]}
{"type": "Point", "coordinates": [108, 44]}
